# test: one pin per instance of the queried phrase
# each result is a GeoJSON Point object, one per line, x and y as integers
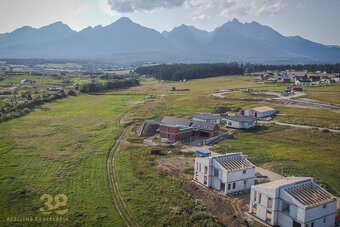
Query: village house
{"type": "Point", "coordinates": [240, 122]}
{"type": "Point", "coordinates": [283, 79]}
{"type": "Point", "coordinates": [229, 173]}
{"type": "Point", "coordinates": [336, 79]}
{"type": "Point", "coordinates": [315, 80]}
{"type": "Point", "coordinates": [26, 81]}
{"type": "Point", "coordinates": [173, 129]}
{"type": "Point", "coordinates": [329, 79]}
{"type": "Point", "coordinates": [259, 112]}
{"type": "Point", "coordinates": [207, 117]}
{"type": "Point", "coordinates": [302, 80]}
{"type": "Point", "coordinates": [205, 129]}
{"type": "Point", "coordinates": [293, 202]}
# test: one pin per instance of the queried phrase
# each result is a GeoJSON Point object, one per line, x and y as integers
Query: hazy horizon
{"type": "Point", "coordinates": [310, 19]}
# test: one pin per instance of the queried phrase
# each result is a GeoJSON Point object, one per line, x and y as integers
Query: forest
{"type": "Point", "coordinates": [176, 72]}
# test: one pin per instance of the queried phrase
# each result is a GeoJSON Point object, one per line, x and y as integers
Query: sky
{"type": "Point", "coordinates": [316, 20]}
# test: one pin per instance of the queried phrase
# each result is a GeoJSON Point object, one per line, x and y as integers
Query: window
{"type": "Point", "coordinates": [205, 169]}
{"type": "Point", "coordinates": [270, 203]}
{"type": "Point", "coordinates": [230, 124]}
{"type": "Point", "coordinates": [215, 172]}
{"type": "Point", "coordinates": [234, 185]}
{"type": "Point", "coordinates": [200, 167]}
{"type": "Point", "coordinates": [254, 208]}
{"type": "Point", "coordinates": [228, 186]}
{"type": "Point", "coordinates": [244, 171]}
{"type": "Point", "coordinates": [324, 206]}
{"type": "Point", "coordinates": [255, 195]}
{"type": "Point", "coordinates": [260, 195]}
{"type": "Point", "coordinates": [312, 225]}
{"type": "Point", "coordinates": [245, 183]}
{"type": "Point", "coordinates": [307, 225]}
{"type": "Point", "coordinates": [324, 220]}
{"type": "Point", "coordinates": [269, 216]}
{"type": "Point", "coordinates": [285, 207]}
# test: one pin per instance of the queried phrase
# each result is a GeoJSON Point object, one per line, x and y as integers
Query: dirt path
{"type": "Point", "coordinates": [298, 126]}
{"type": "Point", "coordinates": [113, 182]}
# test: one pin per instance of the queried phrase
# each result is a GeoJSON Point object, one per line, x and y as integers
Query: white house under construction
{"type": "Point", "coordinates": [293, 202]}
{"type": "Point", "coordinates": [227, 173]}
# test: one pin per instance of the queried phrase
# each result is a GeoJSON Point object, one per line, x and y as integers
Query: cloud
{"type": "Point", "coordinates": [239, 8]}
{"type": "Point", "coordinates": [128, 6]}
{"type": "Point", "coordinates": [203, 9]}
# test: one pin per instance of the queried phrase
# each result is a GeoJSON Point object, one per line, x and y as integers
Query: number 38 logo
{"type": "Point", "coordinates": [60, 202]}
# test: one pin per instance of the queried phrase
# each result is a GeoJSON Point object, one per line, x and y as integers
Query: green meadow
{"type": "Point", "coordinates": [61, 148]}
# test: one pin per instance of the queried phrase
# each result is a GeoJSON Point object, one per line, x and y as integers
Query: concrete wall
{"type": "Point", "coordinates": [200, 174]}
{"type": "Point", "coordinates": [233, 124]}
{"type": "Point", "coordinates": [239, 125]}
{"type": "Point", "coordinates": [265, 114]}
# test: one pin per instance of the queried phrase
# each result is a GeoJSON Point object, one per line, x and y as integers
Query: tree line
{"type": "Point", "coordinates": [176, 72]}
{"type": "Point", "coordinates": [112, 84]}
{"type": "Point", "coordinates": [17, 105]}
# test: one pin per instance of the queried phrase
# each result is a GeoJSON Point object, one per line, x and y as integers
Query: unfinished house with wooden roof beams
{"type": "Point", "coordinates": [229, 173]}
{"type": "Point", "coordinates": [293, 202]}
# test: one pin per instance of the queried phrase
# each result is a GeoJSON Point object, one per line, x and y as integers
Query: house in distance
{"type": "Point", "coordinates": [240, 122]}
{"type": "Point", "coordinates": [174, 129]}
{"type": "Point", "coordinates": [228, 173]}
{"type": "Point", "coordinates": [260, 112]}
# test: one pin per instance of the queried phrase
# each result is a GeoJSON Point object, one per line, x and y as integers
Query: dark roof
{"type": "Point", "coordinates": [152, 122]}
{"type": "Point", "coordinates": [202, 125]}
{"type": "Point", "coordinates": [302, 79]}
{"type": "Point", "coordinates": [240, 118]}
{"type": "Point", "coordinates": [175, 121]}
{"type": "Point", "coordinates": [206, 116]}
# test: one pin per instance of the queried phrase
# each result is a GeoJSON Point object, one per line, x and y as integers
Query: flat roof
{"type": "Point", "coordinates": [263, 109]}
{"type": "Point", "coordinates": [282, 182]}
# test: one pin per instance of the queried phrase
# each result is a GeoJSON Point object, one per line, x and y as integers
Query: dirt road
{"type": "Point", "coordinates": [298, 126]}
{"type": "Point", "coordinates": [113, 182]}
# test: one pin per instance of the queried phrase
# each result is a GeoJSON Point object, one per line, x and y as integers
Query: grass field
{"type": "Point", "coordinates": [291, 152]}
{"type": "Point", "coordinates": [40, 80]}
{"type": "Point", "coordinates": [153, 197]}
{"type": "Point", "coordinates": [62, 148]}
{"type": "Point", "coordinates": [324, 93]}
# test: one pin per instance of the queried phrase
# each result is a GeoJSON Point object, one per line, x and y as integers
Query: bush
{"type": "Point", "coordinates": [71, 93]}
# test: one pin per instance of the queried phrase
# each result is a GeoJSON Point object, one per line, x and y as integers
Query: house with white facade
{"type": "Point", "coordinates": [228, 173]}
{"type": "Point", "coordinates": [240, 122]}
{"type": "Point", "coordinates": [207, 117]}
{"type": "Point", "coordinates": [302, 80]}
{"type": "Point", "coordinates": [260, 112]}
{"type": "Point", "coordinates": [293, 202]}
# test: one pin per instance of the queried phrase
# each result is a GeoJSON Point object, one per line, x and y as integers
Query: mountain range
{"type": "Point", "coordinates": [126, 42]}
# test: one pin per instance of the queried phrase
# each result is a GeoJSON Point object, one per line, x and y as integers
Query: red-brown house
{"type": "Point", "coordinates": [175, 129]}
